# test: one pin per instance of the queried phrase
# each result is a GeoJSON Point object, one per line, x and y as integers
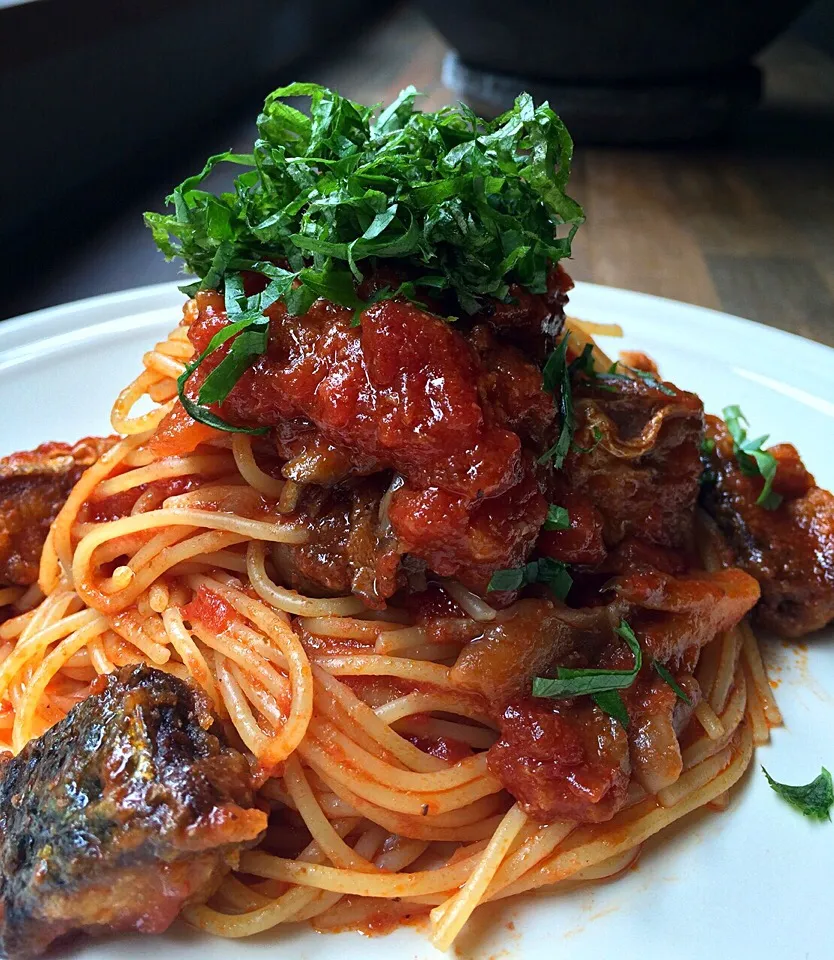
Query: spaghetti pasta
{"type": "Point", "coordinates": [347, 767]}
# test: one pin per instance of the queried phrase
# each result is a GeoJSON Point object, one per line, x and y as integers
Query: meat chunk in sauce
{"type": "Point", "coordinates": [790, 549]}
{"type": "Point", "coordinates": [33, 488]}
{"type": "Point", "coordinates": [127, 810]}
{"type": "Point", "coordinates": [459, 415]}
{"type": "Point", "coordinates": [351, 548]}
{"type": "Point", "coordinates": [562, 761]}
{"type": "Point", "coordinates": [639, 461]}
{"type": "Point", "coordinates": [530, 639]}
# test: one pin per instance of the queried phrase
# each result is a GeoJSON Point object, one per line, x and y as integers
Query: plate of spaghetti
{"type": "Point", "coordinates": [411, 589]}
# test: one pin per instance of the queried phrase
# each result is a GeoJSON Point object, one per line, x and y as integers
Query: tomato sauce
{"type": "Point", "coordinates": [210, 609]}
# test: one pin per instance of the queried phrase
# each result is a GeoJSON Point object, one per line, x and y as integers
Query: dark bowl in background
{"type": "Point", "coordinates": [616, 71]}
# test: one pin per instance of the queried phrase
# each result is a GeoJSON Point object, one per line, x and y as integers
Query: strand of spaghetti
{"type": "Point", "coordinates": [33, 645]}
{"type": "Point", "coordinates": [730, 649]}
{"type": "Point", "coordinates": [434, 652]}
{"type": "Point", "coordinates": [189, 653]}
{"type": "Point", "coordinates": [602, 362]}
{"type": "Point", "coordinates": [260, 743]}
{"type": "Point", "coordinates": [733, 714]}
{"type": "Point", "coordinates": [533, 851]}
{"type": "Point", "coordinates": [398, 642]}
{"type": "Point", "coordinates": [692, 779]}
{"type": "Point", "coordinates": [596, 329]}
{"type": "Point", "coordinates": [755, 710]}
{"type": "Point", "coordinates": [753, 658]}
{"type": "Point", "coordinates": [473, 822]}
{"type": "Point", "coordinates": [265, 917]}
{"type": "Point", "coordinates": [101, 662]}
{"type": "Point", "coordinates": [288, 643]}
{"type": "Point", "coordinates": [158, 597]}
{"type": "Point", "coordinates": [256, 921]}
{"type": "Point", "coordinates": [53, 609]}
{"type": "Point", "coordinates": [401, 854]}
{"type": "Point", "coordinates": [708, 668]}
{"type": "Point", "coordinates": [396, 799]}
{"type": "Point", "coordinates": [136, 632]}
{"type": "Point", "coordinates": [300, 679]}
{"type": "Point", "coordinates": [151, 548]}
{"type": "Point", "coordinates": [354, 882]}
{"type": "Point", "coordinates": [709, 720]}
{"type": "Point", "coordinates": [608, 868]}
{"type": "Point", "coordinates": [10, 595]}
{"type": "Point", "coordinates": [449, 918]}
{"type": "Point", "coordinates": [117, 593]}
{"type": "Point", "coordinates": [242, 654]}
{"type": "Point", "coordinates": [163, 390]}
{"type": "Point", "coordinates": [13, 628]}
{"type": "Point", "coordinates": [370, 724]}
{"type": "Point", "coordinates": [478, 737]}
{"type": "Point", "coordinates": [370, 665]}
{"type": "Point", "coordinates": [451, 701]}
{"type": "Point", "coordinates": [343, 628]}
{"type": "Point", "coordinates": [630, 828]}
{"type": "Point", "coordinates": [471, 604]}
{"type": "Point", "coordinates": [261, 698]}
{"type": "Point", "coordinates": [278, 531]}
{"type": "Point", "coordinates": [164, 366]}
{"type": "Point", "coordinates": [351, 754]}
{"type": "Point", "coordinates": [332, 805]}
{"type": "Point", "coordinates": [235, 894]}
{"type": "Point", "coordinates": [201, 465]}
{"type": "Point", "coordinates": [333, 705]}
{"type": "Point", "coordinates": [289, 600]}
{"type": "Point", "coordinates": [61, 530]}
{"type": "Point", "coordinates": [49, 666]}
{"type": "Point", "coordinates": [258, 642]}
{"type": "Point", "coordinates": [249, 469]}
{"type": "Point", "coordinates": [127, 399]}
{"type": "Point", "coordinates": [366, 847]}
{"type": "Point", "coordinates": [321, 830]}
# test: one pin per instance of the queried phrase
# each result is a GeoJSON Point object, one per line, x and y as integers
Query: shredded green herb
{"type": "Point", "coordinates": [601, 685]}
{"type": "Point", "coordinates": [557, 518]}
{"type": "Point", "coordinates": [471, 206]}
{"type": "Point", "coordinates": [666, 676]}
{"type": "Point", "coordinates": [814, 799]}
{"type": "Point", "coordinates": [551, 572]}
{"type": "Point", "coordinates": [751, 457]}
{"type": "Point", "coordinates": [556, 375]}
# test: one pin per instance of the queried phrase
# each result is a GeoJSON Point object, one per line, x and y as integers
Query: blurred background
{"type": "Point", "coordinates": [705, 130]}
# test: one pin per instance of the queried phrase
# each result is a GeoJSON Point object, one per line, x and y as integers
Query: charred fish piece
{"type": "Point", "coordinates": [129, 809]}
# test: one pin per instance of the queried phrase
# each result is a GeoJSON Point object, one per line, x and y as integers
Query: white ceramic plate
{"type": "Point", "coordinates": [754, 882]}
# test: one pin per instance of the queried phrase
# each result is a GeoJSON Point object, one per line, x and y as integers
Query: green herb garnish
{"type": "Point", "coordinates": [666, 676]}
{"type": "Point", "coordinates": [814, 799]}
{"type": "Point", "coordinates": [545, 570]}
{"type": "Point", "coordinates": [469, 206]}
{"type": "Point", "coordinates": [751, 458]}
{"type": "Point", "coordinates": [557, 518]}
{"type": "Point", "coordinates": [601, 685]}
{"type": "Point", "coordinates": [556, 376]}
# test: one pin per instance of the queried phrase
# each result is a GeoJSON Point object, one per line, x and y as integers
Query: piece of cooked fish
{"type": "Point", "coordinates": [33, 487]}
{"type": "Point", "coordinates": [129, 809]}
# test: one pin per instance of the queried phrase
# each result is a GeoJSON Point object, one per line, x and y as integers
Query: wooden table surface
{"type": "Point", "coordinates": [745, 226]}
